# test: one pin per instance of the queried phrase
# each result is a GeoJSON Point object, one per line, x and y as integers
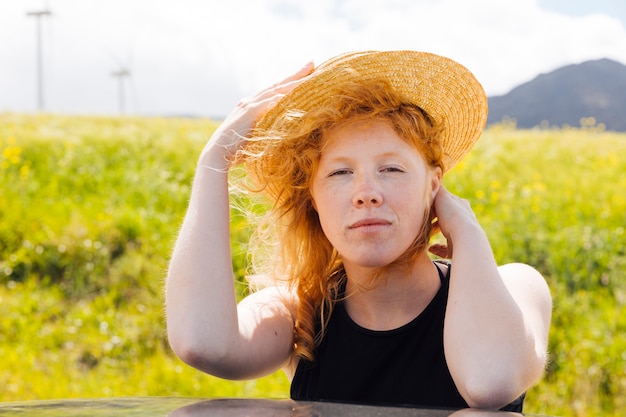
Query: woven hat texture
{"type": "Point", "coordinates": [447, 91]}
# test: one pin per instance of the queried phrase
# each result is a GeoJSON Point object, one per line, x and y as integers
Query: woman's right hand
{"type": "Point", "coordinates": [233, 133]}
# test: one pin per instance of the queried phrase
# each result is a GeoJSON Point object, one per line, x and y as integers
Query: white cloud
{"type": "Point", "coordinates": [201, 56]}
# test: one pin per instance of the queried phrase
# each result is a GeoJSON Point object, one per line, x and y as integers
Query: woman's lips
{"type": "Point", "coordinates": [369, 223]}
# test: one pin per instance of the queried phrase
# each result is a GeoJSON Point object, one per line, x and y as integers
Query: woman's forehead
{"type": "Point", "coordinates": [353, 132]}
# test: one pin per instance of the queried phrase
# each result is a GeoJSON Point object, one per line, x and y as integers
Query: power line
{"type": "Point", "coordinates": [40, 87]}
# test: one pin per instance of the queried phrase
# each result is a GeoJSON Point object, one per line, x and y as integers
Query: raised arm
{"type": "Point", "coordinates": [205, 327]}
{"type": "Point", "coordinates": [497, 319]}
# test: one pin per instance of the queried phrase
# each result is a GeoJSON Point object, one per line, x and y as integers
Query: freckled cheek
{"type": "Point", "coordinates": [327, 197]}
{"type": "Point", "coordinates": [411, 203]}
{"type": "Point", "coordinates": [332, 211]}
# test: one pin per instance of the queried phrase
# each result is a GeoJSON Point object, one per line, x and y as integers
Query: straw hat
{"type": "Point", "coordinates": [443, 88]}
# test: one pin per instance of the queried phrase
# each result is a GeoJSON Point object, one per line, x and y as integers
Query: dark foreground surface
{"type": "Point", "coordinates": [197, 407]}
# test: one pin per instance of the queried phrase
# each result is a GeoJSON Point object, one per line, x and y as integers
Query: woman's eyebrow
{"type": "Point", "coordinates": [348, 157]}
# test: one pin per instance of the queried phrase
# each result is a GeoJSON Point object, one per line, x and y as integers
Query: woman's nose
{"type": "Point", "coordinates": [367, 194]}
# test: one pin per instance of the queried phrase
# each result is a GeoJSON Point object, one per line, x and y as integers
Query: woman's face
{"type": "Point", "coordinates": [371, 191]}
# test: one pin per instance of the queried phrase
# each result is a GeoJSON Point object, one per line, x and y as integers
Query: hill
{"type": "Point", "coordinates": [562, 97]}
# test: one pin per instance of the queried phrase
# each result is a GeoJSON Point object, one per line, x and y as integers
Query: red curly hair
{"type": "Point", "coordinates": [281, 164]}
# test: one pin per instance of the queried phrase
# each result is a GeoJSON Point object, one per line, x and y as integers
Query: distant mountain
{"type": "Point", "coordinates": [591, 89]}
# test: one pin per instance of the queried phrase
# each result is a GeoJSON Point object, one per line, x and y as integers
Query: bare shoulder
{"type": "Point", "coordinates": [528, 287]}
{"type": "Point", "coordinates": [523, 276]}
{"type": "Point", "coordinates": [519, 269]}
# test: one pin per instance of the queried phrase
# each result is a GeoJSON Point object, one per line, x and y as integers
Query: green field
{"type": "Point", "coordinates": [90, 207]}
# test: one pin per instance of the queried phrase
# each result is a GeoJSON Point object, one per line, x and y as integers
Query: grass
{"type": "Point", "coordinates": [89, 209]}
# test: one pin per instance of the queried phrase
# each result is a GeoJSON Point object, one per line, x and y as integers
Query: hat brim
{"type": "Point", "coordinates": [447, 91]}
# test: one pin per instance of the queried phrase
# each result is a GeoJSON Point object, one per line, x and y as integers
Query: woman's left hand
{"type": "Point", "coordinates": [452, 215]}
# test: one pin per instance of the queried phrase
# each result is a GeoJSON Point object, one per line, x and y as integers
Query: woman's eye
{"type": "Point", "coordinates": [392, 169]}
{"type": "Point", "coordinates": [339, 172]}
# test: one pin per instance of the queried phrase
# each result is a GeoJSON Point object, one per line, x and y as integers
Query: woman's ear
{"type": "Point", "coordinates": [435, 182]}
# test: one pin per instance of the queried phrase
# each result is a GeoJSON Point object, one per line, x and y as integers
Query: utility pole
{"type": "Point", "coordinates": [38, 15]}
{"type": "Point", "coordinates": [120, 75]}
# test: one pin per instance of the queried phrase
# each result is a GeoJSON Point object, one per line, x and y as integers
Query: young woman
{"type": "Point", "coordinates": [351, 156]}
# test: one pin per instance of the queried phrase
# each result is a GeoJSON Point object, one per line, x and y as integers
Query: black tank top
{"type": "Point", "coordinates": [401, 367]}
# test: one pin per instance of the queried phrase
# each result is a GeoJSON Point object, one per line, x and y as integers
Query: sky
{"type": "Point", "coordinates": [200, 57]}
